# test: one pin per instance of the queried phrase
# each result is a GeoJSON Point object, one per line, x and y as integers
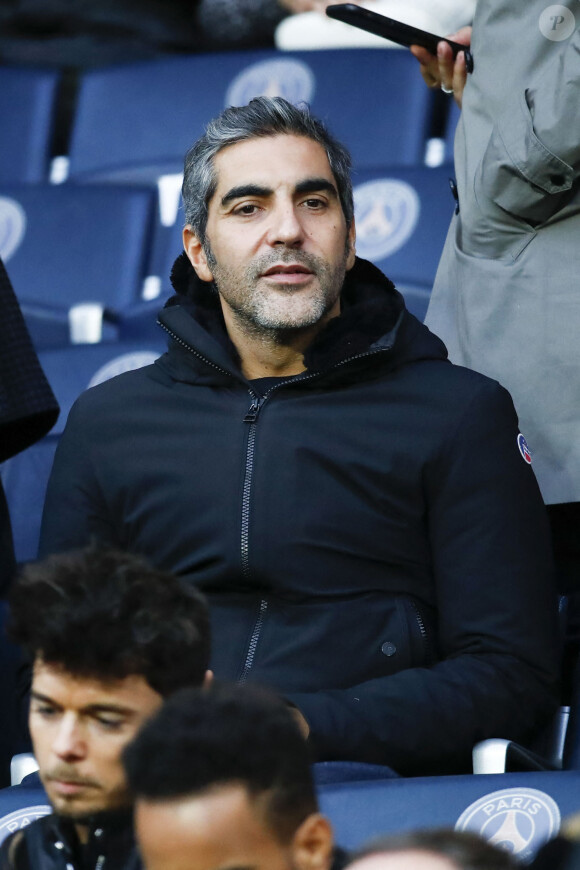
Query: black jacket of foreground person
{"type": "Point", "coordinates": [52, 844]}
{"type": "Point", "coordinates": [371, 540]}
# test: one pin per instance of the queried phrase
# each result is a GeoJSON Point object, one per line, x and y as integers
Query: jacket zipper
{"type": "Point", "coordinates": [422, 629]}
{"type": "Point", "coordinates": [257, 630]}
{"type": "Point", "coordinates": [251, 418]}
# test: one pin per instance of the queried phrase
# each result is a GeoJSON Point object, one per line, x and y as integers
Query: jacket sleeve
{"type": "Point", "coordinates": [533, 157]}
{"type": "Point", "coordinates": [74, 509]}
{"type": "Point", "coordinates": [497, 674]}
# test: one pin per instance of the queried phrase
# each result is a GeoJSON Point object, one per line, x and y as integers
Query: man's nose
{"type": "Point", "coordinates": [285, 226]}
{"type": "Point", "coordinates": [69, 741]}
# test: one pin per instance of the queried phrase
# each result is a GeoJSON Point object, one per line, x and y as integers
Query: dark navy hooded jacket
{"type": "Point", "coordinates": [371, 540]}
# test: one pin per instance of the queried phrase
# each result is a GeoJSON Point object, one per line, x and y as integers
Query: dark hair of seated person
{"type": "Point", "coordinates": [226, 735]}
{"type": "Point", "coordinates": [103, 614]}
{"type": "Point", "coordinates": [464, 849]}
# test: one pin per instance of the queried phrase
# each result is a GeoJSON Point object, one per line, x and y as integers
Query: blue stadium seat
{"type": "Point", "coordinates": [517, 811]}
{"type": "Point", "coordinates": [69, 371]}
{"type": "Point", "coordinates": [450, 127]}
{"type": "Point", "coordinates": [27, 102]}
{"type": "Point", "coordinates": [69, 244]}
{"type": "Point", "coordinates": [139, 323]}
{"type": "Point", "coordinates": [137, 121]}
{"type": "Point", "coordinates": [402, 216]}
{"type": "Point", "coordinates": [19, 806]}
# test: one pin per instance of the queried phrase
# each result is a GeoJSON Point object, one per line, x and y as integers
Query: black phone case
{"type": "Point", "coordinates": [389, 28]}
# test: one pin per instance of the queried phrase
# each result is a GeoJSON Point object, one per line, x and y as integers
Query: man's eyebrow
{"type": "Point", "coordinates": [38, 696]}
{"type": "Point", "coordinates": [308, 185]}
{"type": "Point", "coordinates": [312, 185]}
{"type": "Point", "coordinates": [91, 709]}
{"type": "Point", "coordinates": [118, 709]}
{"type": "Point", "coordinates": [245, 190]}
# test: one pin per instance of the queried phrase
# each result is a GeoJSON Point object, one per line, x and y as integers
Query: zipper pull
{"type": "Point", "coordinates": [253, 410]}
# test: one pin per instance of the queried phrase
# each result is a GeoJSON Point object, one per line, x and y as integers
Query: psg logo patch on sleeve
{"type": "Point", "coordinates": [524, 449]}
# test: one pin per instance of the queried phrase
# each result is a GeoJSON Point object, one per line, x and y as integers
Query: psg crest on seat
{"type": "Point", "coordinates": [286, 77]}
{"type": "Point", "coordinates": [519, 820]}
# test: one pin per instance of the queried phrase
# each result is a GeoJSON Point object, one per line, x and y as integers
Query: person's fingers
{"type": "Point", "coordinates": [446, 66]}
{"type": "Point", "coordinates": [463, 35]}
{"type": "Point", "coordinates": [459, 77]}
{"type": "Point", "coordinates": [429, 67]}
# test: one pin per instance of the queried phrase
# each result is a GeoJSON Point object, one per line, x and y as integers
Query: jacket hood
{"type": "Point", "coordinates": [373, 318]}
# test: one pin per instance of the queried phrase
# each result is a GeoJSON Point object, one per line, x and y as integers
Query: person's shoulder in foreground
{"type": "Point", "coordinates": [222, 778]}
{"type": "Point", "coordinates": [109, 637]}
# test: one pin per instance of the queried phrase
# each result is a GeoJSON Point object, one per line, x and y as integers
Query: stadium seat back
{"type": "Point", "coordinates": [402, 215]}
{"type": "Point", "coordinates": [67, 244]}
{"type": "Point", "coordinates": [516, 811]}
{"type": "Point", "coordinates": [450, 129]}
{"type": "Point", "coordinates": [27, 104]}
{"type": "Point", "coordinates": [138, 120]}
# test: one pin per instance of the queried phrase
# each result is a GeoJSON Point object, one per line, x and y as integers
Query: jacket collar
{"type": "Point", "coordinates": [372, 315]}
{"type": "Point", "coordinates": [110, 834]}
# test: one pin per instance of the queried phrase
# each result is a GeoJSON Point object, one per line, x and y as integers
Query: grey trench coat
{"type": "Point", "coordinates": [506, 299]}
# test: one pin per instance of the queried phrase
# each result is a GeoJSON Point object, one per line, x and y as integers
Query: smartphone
{"type": "Point", "coordinates": [403, 34]}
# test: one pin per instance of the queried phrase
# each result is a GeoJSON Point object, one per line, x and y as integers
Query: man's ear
{"type": "Point", "coordinates": [312, 844]}
{"type": "Point", "coordinates": [350, 258]}
{"type": "Point", "coordinates": [196, 254]}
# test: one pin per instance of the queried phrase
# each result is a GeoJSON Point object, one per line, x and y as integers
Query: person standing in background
{"type": "Point", "coordinates": [505, 299]}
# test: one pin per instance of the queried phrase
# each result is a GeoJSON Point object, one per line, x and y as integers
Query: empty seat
{"type": "Point", "coordinates": [450, 128]}
{"type": "Point", "coordinates": [27, 102]}
{"type": "Point", "coordinates": [517, 811]}
{"type": "Point", "coordinates": [69, 244]}
{"type": "Point", "coordinates": [402, 216]}
{"type": "Point", "coordinates": [137, 121]}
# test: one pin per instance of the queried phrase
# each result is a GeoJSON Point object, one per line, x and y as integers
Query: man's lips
{"type": "Point", "coordinates": [69, 782]}
{"type": "Point", "coordinates": [65, 787]}
{"type": "Point", "coordinates": [287, 273]}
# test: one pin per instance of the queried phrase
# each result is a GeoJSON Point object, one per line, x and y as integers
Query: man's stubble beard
{"type": "Point", "coordinates": [274, 312]}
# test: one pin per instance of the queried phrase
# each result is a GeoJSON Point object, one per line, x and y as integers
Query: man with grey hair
{"type": "Point", "coordinates": [360, 513]}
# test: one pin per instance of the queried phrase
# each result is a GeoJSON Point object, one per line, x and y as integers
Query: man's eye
{"type": "Point", "coordinates": [314, 203]}
{"type": "Point", "coordinates": [108, 723]}
{"type": "Point", "coordinates": [43, 710]}
{"type": "Point", "coordinates": [246, 209]}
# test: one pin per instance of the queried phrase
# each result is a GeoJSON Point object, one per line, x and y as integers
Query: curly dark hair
{"type": "Point", "coordinates": [226, 735]}
{"type": "Point", "coordinates": [105, 614]}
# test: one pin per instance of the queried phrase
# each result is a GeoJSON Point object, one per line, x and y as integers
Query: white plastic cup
{"type": "Point", "coordinates": [86, 323]}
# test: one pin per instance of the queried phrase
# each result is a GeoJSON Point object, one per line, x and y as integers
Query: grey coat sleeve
{"type": "Point", "coordinates": [497, 636]}
{"type": "Point", "coordinates": [533, 157]}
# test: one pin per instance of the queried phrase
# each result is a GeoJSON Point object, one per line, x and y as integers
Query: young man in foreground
{"type": "Point", "coordinates": [110, 638]}
{"type": "Point", "coordinates": [222, 779]}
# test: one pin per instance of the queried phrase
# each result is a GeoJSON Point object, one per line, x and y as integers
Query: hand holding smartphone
{"type": "Point", "coordinates": [389, 28]}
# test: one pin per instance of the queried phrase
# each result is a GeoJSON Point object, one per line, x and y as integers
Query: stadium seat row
{"type": "Point", "coordinates": [72, 244]}
{"type": "Point", "coordinates": [135, 122]}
